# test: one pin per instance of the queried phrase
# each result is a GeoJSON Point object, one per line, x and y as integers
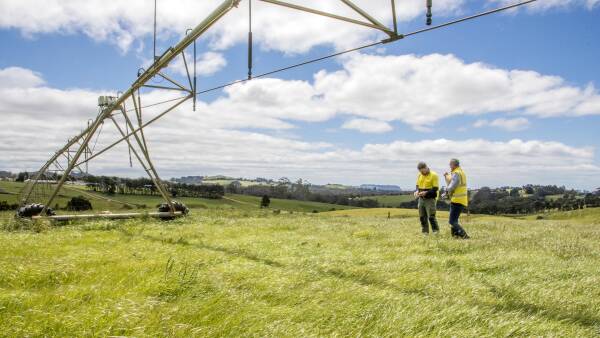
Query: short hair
{"type": "Point", "coordinates": [421, 165]}
{"type": "Point", "coordinates": [455, 161]}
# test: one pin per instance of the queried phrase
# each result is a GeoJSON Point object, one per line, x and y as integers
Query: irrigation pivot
{"type": "Point", "coordinates": [41, 191]}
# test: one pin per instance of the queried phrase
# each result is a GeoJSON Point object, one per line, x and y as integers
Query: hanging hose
{"type": "Point", "coordinates": [249, 39]}
{"type": "Point", "coordinates": [429, 4]}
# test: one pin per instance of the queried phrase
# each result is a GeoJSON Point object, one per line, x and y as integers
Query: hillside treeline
{"type": "Point", "coordinates": [145, 186]}
{"type": "Point", "coordinates": [301, 191]}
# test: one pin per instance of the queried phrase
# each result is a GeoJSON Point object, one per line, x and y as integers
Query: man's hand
{"type": "Point", "coordinates": [416, 194]}
{"type": "Point", "coordinates": [422, 193]}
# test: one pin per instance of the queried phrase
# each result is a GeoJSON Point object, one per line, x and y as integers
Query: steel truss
{"type": "Point", "coordinates": [80, 150]}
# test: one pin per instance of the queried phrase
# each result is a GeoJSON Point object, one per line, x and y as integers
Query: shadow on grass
{"type": "Point", "coordinates": [232, 252]}
{"type": "Point", "coordinates": [512, 301]}
{"type": "Point", "coordinates": [362, 279]}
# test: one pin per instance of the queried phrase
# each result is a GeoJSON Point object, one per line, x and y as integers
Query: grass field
{"type": "Point", "coordinates": [391, 201]}
{"type": "Point", "coordinates": [251, 273]}
{"type": "Point", "coordinates": [121, 203]}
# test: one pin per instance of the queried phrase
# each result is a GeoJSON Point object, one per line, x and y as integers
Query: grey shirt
{"type": "Point", "coordinates": [453, 183]}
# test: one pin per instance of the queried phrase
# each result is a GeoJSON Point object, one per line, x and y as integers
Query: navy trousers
{"type": "Point", "coordinates": [455, 210]}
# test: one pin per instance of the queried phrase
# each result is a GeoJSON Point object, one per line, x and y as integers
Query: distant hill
{"type": "Point", "coordinates": [189, 180]}
{"type": "Point", "coordinates": [380, 187]}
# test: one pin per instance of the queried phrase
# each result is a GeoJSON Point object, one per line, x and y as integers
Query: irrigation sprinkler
{"type": "Point", "coordinates": [40, 192]}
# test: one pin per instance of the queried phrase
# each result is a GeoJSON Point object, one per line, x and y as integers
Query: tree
{"type": "Point", "coordinates": [22, 176]}
{"type": "Point", "coordinates": [79, 203]}
{"type": "Point", "coordinates": [265, 201]}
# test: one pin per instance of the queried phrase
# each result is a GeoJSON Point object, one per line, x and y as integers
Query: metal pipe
{"type": "Point", "coordinates": [165, 88]}
{"type": "Point", "coordinates": [173, 81]}
{"type": "Point", "coordinates": [329, 15]}
{"type": "Point", "coordinates": [366, 16]}
{"type": "Point", "coordinates": [394, 17]}
{"type": "Point", "coordinates": [73, 162]}
{"type": "Point", "coordinates": [111, 216]}
{"type": "Point", "coordinates": [150, 172]}
{"type": "Point", "coordinates": [136, 130]}
{"type": "Point", "coordinates": [144, 149]}
{"type": "Point", "coordinates": [249, 39]}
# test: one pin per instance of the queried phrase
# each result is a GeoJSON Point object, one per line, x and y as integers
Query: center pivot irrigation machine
{"type": "Point", "coordinates": [42, 190]}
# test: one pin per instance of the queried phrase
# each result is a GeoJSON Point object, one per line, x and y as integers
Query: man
{"type": "Point", "coordinates": [459, 197]}
{"type": "Point", "coordinates": [428, 185]}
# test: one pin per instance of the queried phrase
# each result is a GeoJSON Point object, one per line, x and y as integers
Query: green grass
{"type": "Point", "coordinates": [391, 200]}
{"type": "Point", "coordinates": [100, 202]}
{"type": "Point", "coordinates": [235, 272]}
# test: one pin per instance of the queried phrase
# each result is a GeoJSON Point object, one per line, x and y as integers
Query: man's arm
{"type": "Point", "coordinates": [431, 193]}
{"type": "Point", "coordinates": [453, 183]}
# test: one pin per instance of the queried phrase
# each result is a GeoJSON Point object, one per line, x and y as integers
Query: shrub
{"type": "Point", "coordinates": [5, 206]}
{"type": "Point", "coordinates": [79, 203]}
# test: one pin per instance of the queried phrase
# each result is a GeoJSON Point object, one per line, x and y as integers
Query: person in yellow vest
{"type": "Point", "coordinates": [428, 185]}
{"type": "Point", "coordinates": [459, 197]}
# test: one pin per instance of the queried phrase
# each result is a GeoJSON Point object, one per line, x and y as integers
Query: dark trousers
{"type": "Point", "coordinates": [455, 210]}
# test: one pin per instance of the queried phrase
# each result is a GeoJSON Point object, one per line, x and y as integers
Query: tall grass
{"type": "Point", "coordinates": [245, 273]}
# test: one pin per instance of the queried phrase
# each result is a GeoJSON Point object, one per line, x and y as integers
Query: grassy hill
{"type": "Point", "coordinates": [391, 200]}
{"type": "Point", "coordinates": [241, 272]}
{"type": "Point", "coordinates": [121, 203]}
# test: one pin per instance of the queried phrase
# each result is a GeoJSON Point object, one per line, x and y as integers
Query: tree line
{"type": "Point", "coordinates": [301, 190]}
{"type": "Point", "coordinates": [144, 186]}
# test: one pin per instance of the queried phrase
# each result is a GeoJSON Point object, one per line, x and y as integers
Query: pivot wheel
{"type": "Point", "coordinates": [31, 210]}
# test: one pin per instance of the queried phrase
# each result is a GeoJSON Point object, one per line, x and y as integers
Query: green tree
{"type": "Point", "coordinates": [265, 201]}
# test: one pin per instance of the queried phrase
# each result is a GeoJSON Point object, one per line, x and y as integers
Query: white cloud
{"type": "Point", "coordinates": [215, 140]}
{"type": "Point", "coordinates": [421, 91]}
{"type": "Point", "coordinates": [276, 28]}
{"type": "Point", "coordinates": [210, 63]}
{"type": "Point", "coordinates": [368, 126]}
{"type": "Point", "coordinates": [122, 22]}
{"type": "Point", "coordinates": [515, 124]}
{"type": "Point", "coordinates": [207, 64]}
{"type": "Point", "coordinates": [17, 77]}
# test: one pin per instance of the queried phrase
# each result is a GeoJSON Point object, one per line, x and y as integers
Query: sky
{"type": "Point", "coordinates": [514, 95]}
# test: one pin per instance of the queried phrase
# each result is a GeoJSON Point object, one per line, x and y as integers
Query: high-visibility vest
{"type": "Point", "coordinates": [460, 194]}
{"type": "Point", "coordinates": [427, 182]}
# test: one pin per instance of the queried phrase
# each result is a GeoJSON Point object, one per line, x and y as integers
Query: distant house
{"type": "Point", "coordinates": [43, 181]}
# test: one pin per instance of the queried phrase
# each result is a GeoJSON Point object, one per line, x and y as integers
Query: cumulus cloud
{"type": "Point", "coordinates": [216, 139]}
{"type": "Point", "coordinates": [422, 90]}
{"type": "Point", "coordinates": [368, 126]}
{"type": "Point", "coordinates": [207, 64]}
{"type": "Point", "coordinates": [515, 124]}
{"type": "Point", "coordinates": [417, 90]}
{"type": "Point", "coordinates": [121, 22]}
{"type": "Point", "coordinates": [17, 77]}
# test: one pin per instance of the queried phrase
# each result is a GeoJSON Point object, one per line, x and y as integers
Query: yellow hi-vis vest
{"type": "Point", "coordinates": [426, 182]}
{"type": "Point", "coordinates": [461, 194]}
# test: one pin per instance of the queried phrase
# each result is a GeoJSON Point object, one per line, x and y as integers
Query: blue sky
{"type": "Point", "coordinates": [518, 143]}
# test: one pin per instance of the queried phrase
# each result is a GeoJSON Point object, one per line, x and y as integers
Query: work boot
{"type": "Point", "coordinates": [460, 233]}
